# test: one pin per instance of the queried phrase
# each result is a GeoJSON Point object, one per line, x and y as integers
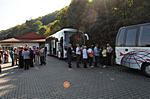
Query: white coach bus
{"type": "Point", "coordinates": [133, 47]}
{"type": "Point", "coordinates": [59, 41]}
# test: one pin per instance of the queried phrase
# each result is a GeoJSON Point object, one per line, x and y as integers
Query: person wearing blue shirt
{"type": "Point", "coordinates": [96, 55]}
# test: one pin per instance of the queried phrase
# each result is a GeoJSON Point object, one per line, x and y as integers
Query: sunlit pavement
{"type": "Point", "coordinates": [56, 81]}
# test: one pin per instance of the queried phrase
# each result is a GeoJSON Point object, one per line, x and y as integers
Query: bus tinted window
{"type": "Point", "coordinates": [120, 39]}
{"type": "Point", "coordinates": [131, 37]}
{"type": "Point", "coordinates": [67, 37]}
{"type": "Point", "coordinates": [144, 38]}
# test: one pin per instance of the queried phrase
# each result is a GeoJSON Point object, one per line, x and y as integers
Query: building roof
{"type": "Point", "coordinates": [10, 40]}
{"type": "Point", "coordinates": [31, 36]}
{"type": "Point", "coordinates": [14, 40]}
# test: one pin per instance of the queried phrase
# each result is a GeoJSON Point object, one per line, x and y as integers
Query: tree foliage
{"type": "Point", "coordinates": [101, 19]}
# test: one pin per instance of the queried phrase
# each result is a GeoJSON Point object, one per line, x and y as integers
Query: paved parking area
{"type": "Point", "coordinates": [46, 82]}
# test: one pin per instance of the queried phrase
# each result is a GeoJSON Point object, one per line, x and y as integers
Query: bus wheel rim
{"type": "Point", "coordinates": [147, 69]}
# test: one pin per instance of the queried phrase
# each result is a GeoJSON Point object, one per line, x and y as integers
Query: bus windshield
{"type": "Point", "coordinates": [74, 38]}
{"type": "Point", "coordinates": [68, 35]}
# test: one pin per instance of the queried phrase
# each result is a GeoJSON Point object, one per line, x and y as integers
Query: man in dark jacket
{"type": "Point", "coordinates": [21, 62]}
{"type": "Point", "coordinates": [69, 55]}
{"type": "Point", "coordinates": [31, 57]}
{"type": "Point", "coordinates": [12, 56]}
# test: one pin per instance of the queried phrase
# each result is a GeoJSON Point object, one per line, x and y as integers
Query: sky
{"type": "Point", "coordinates": [15, 12]}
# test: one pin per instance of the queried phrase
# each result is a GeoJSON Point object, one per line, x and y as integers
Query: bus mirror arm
{"type": "Point", "coordinates": [86, 36]}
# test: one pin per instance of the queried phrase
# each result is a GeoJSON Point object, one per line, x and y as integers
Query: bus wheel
{"type": "Point", "coordinates": [146, 70]}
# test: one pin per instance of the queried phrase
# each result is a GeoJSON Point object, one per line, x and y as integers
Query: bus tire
{"type": "Point", "coordinates": [146, 69]}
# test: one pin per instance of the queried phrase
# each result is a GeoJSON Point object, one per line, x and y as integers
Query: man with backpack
{"type": "Point", "coordinates": [90, 56]}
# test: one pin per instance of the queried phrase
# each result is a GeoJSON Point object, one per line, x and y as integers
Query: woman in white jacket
{"type": "Point", "coordinates": [84, 56]}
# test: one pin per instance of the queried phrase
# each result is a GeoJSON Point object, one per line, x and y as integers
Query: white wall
{"type": "Point", "coordinates": [19, 44]}
{"type": "Point", "coordinates": [23, 44]}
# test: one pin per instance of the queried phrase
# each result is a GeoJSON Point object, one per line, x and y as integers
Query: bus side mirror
{"type": "Point", "coordinates": [87, 37]}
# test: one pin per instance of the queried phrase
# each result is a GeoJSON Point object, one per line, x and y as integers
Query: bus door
{"type": "Point", "coordinates": [53, 47]}
{"type": "Point", "coordinates": [126, 44]}
{"type": "Point", "coordinates": [120, 41]}
{"type": "Point", "coordinates": [58, 49]}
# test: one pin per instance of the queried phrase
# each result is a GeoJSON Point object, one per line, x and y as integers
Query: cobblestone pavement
{"type": "Point", "coordinates": [46, 82]}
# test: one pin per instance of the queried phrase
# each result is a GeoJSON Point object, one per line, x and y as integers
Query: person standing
{"type": "Point", "coordinates": [34, 52]}
{"type": "Point", "coordinates": [31, 57]}
{"type": "Point", "coordinates": [21, 63]}
{"type": "Point", "coordinates": [45, 51]}
{"type": "Point", "coordinates": [96, 55]}
{"type": "Point", "coordinates": [15, 56]}
{"type": "Point", "coordinates": [84, 56]}
{"type": "Point", "coordinates": [6, 56]}
{"type": "Point", "coordinates": [26, 57]}
{"type": "Point", "coordinates": [42, 57]}
{"type": "Point", "coordinates": [90, 56]}
{"type": "Point", "coordinates": [78, 55]}
{"type": "Point", "coordinates": [109, 54]}
{"type": "Point", "coordinates": [12, 56]}
{"type": "Point", "coordinates": [37, 56]}
{"type": "Point", "coordinates": [104, 57]}
{"type": "Point", "coordinates": [69, 55]}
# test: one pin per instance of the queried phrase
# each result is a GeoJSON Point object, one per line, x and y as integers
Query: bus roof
{"type": "Point", "coordinates": [69, 29]}
{"type": "Point", "coordinates": [135, 25]}
{"type": "Point", "coordinates": [62, 30]}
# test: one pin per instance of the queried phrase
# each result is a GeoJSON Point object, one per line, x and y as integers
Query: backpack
{"type": "Point", "coordinates": [91, 54]}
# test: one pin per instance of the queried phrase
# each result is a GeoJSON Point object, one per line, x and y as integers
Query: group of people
{"type": "Point", "coordinates": [92, 55]}
{"type": "Point", "coordinates": [25, 57]}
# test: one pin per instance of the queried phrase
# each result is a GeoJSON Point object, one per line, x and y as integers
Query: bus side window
{"type": "Point", "coordinates": [131, 37]}
{"type": "Point", "coordinates": [120, 38]}
{"type": "Point", "coordinates": [144, 37]}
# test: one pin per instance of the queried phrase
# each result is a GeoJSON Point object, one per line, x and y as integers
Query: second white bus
{"type": "Point", "coordinates": [133, 47]}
